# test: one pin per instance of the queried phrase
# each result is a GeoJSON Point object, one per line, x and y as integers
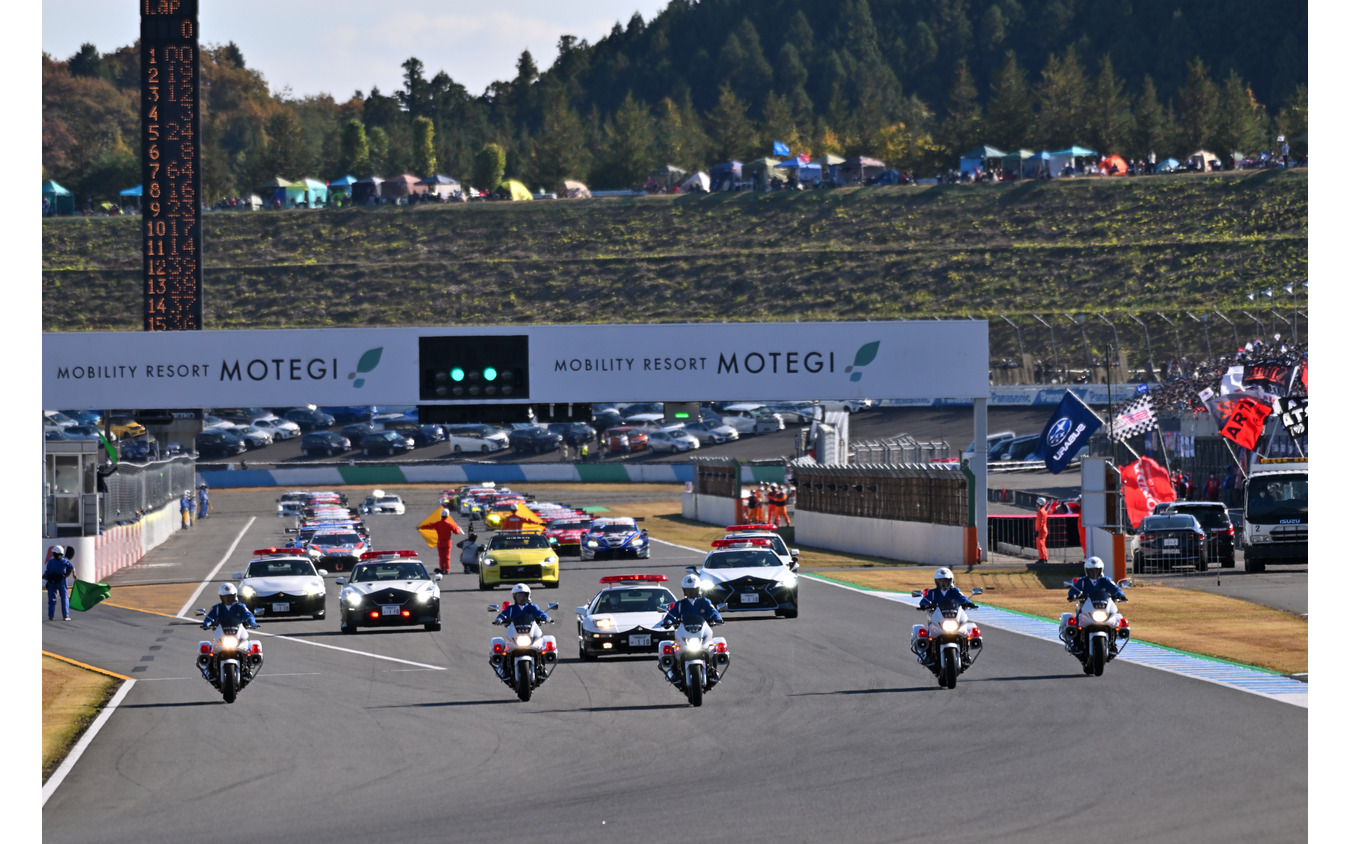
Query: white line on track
{"type": "Point", "coordinates": [682, 547]}
{"type": "Point", "coordinates": [50, 786]}
{"type": "Point", "coordinates": [183, 613]}
{"type": "Point", "coordinates": [419, 665]}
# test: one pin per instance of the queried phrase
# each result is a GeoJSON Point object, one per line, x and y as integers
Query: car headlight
{"type": "Point", "coordinates": [591, 543]}
{"type": "Point", "coordinates": [1260, 537]}
{"type": "Point", "coordinates": [550, 560]}
{"type": "Point", "coordinates": [424, 597]}
{"type": "Point", "coordinates": [313, 589]}
{"type": "Point", "coordinates": [604, 623]}
{"type": "Point", "coordinates": [489, 562]}
{"type": "Point", "coordinates": [638, 540]}
{"type": "Point", "coordinates": [523, 641]}
{"type": "Point", "coordinates": [706, 585]}
{"type": "Point", "coordinates": [246, 592]}
{"type": "Point", "coordinates": [789, 580]}
{"type": "Point", "coordinates": [353, 599]}
{"type": "Point", "coordinates": [1099, 616]}
{"type": "Point", "coordinates": [949, 625]}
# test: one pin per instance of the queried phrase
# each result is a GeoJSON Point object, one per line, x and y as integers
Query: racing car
{"type": "Point", "coordinates": [281, 582]}
{"type": "Point", "coordinates": [567, 533]}
{"type": "Point", "coordinates": [389, 589]}
{"type": "Point", "coordinates": [615, 537]}
{"type": "Point", "coordinates": [622, 617]}
{"type": "Point", "coordinates": [518, 557]}
{"type": "Point", "coordinates": [747, 575]}
{"type": "Point", "coordinates": [336, 548]}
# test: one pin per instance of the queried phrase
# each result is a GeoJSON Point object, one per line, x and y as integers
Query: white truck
{"type": "Point", "coordinates": [1275, 513]}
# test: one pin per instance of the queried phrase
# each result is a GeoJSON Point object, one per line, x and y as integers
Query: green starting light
{"type": "Point", "coordinates": [681, 415]}
{"type": "Point", "coordinates": [457, 374]}
{"type": "Point", "coordinates": [489, 373]}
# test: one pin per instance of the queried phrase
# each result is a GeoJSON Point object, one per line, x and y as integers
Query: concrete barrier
{"type": "Point", "coordinates": [453, 474]}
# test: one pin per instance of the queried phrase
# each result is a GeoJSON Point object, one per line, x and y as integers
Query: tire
{"type": "Point", "coordinates": [433, 627]}
{"type": "Point", "coordinates": [483, 450]}
{"type": "Point", "coordinates": [455, 449]}
{"type": "Point", "coordinates": [483, 587]}
{"type": "Point", "coordinates": [1203, 563]}
{"type": "Point", "coordinates": [1097, 656]}
{"type": "Point", "coordinates": [524, 681]}
{"type": "Point", "coordinates": [695, 687]}
{"type": "Point", "coordinates": [347, 626]}
{"type": "Point", "coordinates": [1228, 562]}
{"type": "Point", "coordinates": [1252, 565]}
{"type": "Point", "coordinates": [1138, 562]}
{"type": "Point", "coordinates": [582, 653]}
{"type": "Point", "coordinates": [553, 585]}
{"type": "Point", "coordinates": [948, 671]}
{"type": "Point", "coordinates": [229, 683]}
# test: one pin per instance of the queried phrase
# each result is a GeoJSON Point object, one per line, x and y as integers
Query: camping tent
{"type": "Point", "coordinates": [311, 192]}
{"type": "Point", "coordinates": [273, 191]}
{"type": "Point", "coordinates": [59, 200]}
{"type": "Point", "coordinates": [697, 182]}
{"type": "Point", "coordinates": [668, 175]}
{"type": "Point", "coordinates": [253, 202]}
{"type": "Point", "coordinates": [401, 186]}
{"type": "Point", "coordinates": [1167, 165]}
{"type": "Point", "coordinates": [1202, 159]}
{"type": "Point", "coordinates": [726, 176]}
{"type": "Point", "coordinates": [763, 170]}
{"type": "Point", "coordinates": [807, 171]}
{"type": "Point", "coordinates": [1014, 162]}
{"type": "Point", "coordinates": [860, 168]}
{"type": "Point", "coordinates": [442, 186]}
{"type": "Point", "coordinates": [979, 159]}
{"type": "Point", "coordinates": [513, 190]}
{"type": "Point", "coordinates": [569, 189]}
{"type": "Point", "coordinates": [1113, 161]}
{"type": "Point", "coordinates": [341, 188]}
{"type": "Point", "coordinates": [367, 190]}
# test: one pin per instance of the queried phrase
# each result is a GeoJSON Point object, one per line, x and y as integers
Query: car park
{"type": "Point", "coordinates": [385, 442]}
{"type": "Point", "coordinates": [475, 439]}
{"type": "Point", "coordinates": [356, 431]}
{"type": "Point", "coordinates": [616, 537]}
{"type": "Point", "coordinates": [622, 618]}
{"type": "Point", "coordinates": [517, 557]}
{"type": "Point", "coordinates": [421, 435]}
{"type": "Point", "coordinates": [535, 439]}
{"type": "Point", "coordinates": [389, 589]}
{"type": "Point", "coordinates": [380, 501]}
{"type": "Point", "coordinates": [671, 440]}
{"type": "Point", "coordinates": [573, 433]}
{"type": "Point", "coordinates": [125, 427]}
{"type": "Point", "coordinates": [643, 407]}
{"type": "Point", "coordinates": [346, 415]}
{"type": "Point", "coordinates": [323, 444]}
{"type": "Point", "coordinates": [309, 418]}
{"type": "Point", "coordinates": [83, 432]}
{"type": "Point", "coordinates": [279, 428]}
{"type": "Point", "coordinates": [751, 419]}
{"type": "Point", "coordinates": [1214, 520]}
{"type": "Point", "coordinates": [84, 417]}
{"type": "Point", "coordinates": [282, 582]}
{"type": "Point", "coordinates": [1170, 542]}
{"type": "Point", "coordinates": [748, 576]}
{"type": "Point", "coordinates": [219, 444]}
{"type": "Point", "coordinates": [604, 419]}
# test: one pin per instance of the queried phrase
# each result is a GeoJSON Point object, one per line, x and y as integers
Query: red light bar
{"type": "Point", "coordinates": [734, 528]}
{"type": "Point", "coordinates": [371, 555]}
{"type": "Point", "coordinates": [747, 540]}
{"type": "Point", "coordinates": [267, 552]}
{"type": "Point", "coordinates": [623, 578]}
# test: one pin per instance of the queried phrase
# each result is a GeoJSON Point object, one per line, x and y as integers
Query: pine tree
{"type": "Point", "coordinates": [964, 125]}
{"type": "Point", "coordinates": [1199, 102]}
{"type": "Point", "coordinates": [1151, 130]}
{"type": "Point", "coordinates": [424, 147]}
{"type": "Point", "coordinates": [1061, 96]}
{"type": "Point", "coordinates": [379, 151]}
{"type": "Point", "coordinates": [629, 144]}
{"type": "Point", "coordinates": [789, 73]}
{"type": "Point", "coordinates": [729, 129]}
{"type": "Point", "coordinates": [778, 124]}
{"type": "Point", "coordinates": [756, 75]}
{"type": "Point", "coordinates": [489, 166]}
{"type": "Point", "coordinates": [354, 150]}
{"type": "Point", "coordinates": [1109, 122]}
{"type": "Point", "coordinates": [559, 151]}
{"type": "Point", "coordinates": [1240, 121]}
{"type": "Point", "coordinates": [1010, 119]}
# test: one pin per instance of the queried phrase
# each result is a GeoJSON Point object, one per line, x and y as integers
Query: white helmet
{"type": "Point", "coordinates": [445, 514]}
{"type": "Point", "coordinates": [1093, 564]}
{"type": "Point", "coordinates": [943, 574]}
{"type": "Point", "coordinates": [520, 593]}
{"type": "Point", "coordinates": [1040, 502]}
{"type": "Point", "coordinates": [690, 582]}
{"type": "Point", "coordinates": [228, 593]}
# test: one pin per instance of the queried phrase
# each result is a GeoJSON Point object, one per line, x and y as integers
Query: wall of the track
{"type": "Point", "coordinates": [124, 545]}
{"type": "Point", "coordinates": [714, 509]}
{"type": "Point", "coordinates": [939, 545]}
{"type": "Point", "coordinates": [390, 474]}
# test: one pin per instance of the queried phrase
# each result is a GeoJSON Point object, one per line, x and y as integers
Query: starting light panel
{"type": "Point", "coordinates": [467, 414]}
{"type": "Point", "coordinates": [680, 412]}
{"type": "Point", "coordinates": [480, 368]}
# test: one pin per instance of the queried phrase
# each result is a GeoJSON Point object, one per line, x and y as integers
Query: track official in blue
{"type": "Point", "coordinates": [1068, 431]}
{"type": "Point", "coordinates": [54, 576]}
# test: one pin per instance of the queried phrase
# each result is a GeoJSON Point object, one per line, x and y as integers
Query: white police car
{"type": "Point", "coordinates": [769, 532]}
{"type": "Point", "coordinates": [389, 589]}
{"type": "Point", "coordinates": [747, 575]}
{"type": "Point", "coordinates": [622, 618]}
{"type": "Point", "coordinates": [282, 582]}
{"type": "Point", "coordinates": [380, 501]}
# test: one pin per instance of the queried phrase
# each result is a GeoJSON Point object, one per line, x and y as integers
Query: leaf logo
{"type": "Point", "coordinates": [368, 361]}
{"type": "Point", "coordinates": [866, 354]}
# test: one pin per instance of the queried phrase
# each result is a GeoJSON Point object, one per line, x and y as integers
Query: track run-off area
{"type": "Point", "coordinates": [824, 729]}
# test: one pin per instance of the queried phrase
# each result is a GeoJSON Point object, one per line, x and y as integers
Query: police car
{"type": "Point", "coordinates": [291, 503]}
{"type": "Point", "coordinates": [282, 582]}
{"type": "Point", "coordinates": [765, 531]}
{"type": "Point", "coordinates": [746, 574]}
{"type": "Point", "coordinates": [622, 618]}
{"type": "Point", "coordinates": [380, 501]}
{"type": "Point", "coordinates": [615, 537]}
{"type": "Point", "coordinates": [389, 589]}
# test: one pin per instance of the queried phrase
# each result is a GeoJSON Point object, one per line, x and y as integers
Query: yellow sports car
{"type": "Point", "coordinates": [515, 557]}
{"type": "Point", "coordinates": [499, 510]}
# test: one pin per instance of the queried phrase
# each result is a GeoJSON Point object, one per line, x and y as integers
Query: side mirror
{"type": "Point", "coordinates": [721, 607]}
{"type": "Point", "coordinates": [1068, 583]}
{"type": "Point", "coordinates": [1125, 584]}
{"type": "Point", "coordinates": [793, 565]}
{"type": "Point", "coordinates": [978, 590]}
{"type": "Point", "coordinates": [581, 611]}
{"type": "Point", "coordinates": [691, 569]}
{"type": "Point", "coordinates": [239, 575]}
{"type": "Point", "coordinates": [493, 608]}
{"type": "Point", "coordinates": [437, 577]}
{"type": "Point", "coordinates": [292, 530]}
{"type": "Point", "coordinates": [199, 611]}
{"type": "Point", "coordinates": [917, 593]}
{"type": "Point", "coordinates": [323, 572]}
{"type": "Point", "coordinates": [341, 581]}
{"type": "Point", "coordinates": [553, 606]}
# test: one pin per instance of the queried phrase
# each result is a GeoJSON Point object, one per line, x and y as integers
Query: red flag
{"type": "Point", "coordinates": [1245, 424]}
{"type": "Point", "coordinates": [1144, 483]}
{"type": "Point", "coordinates": [1304, 376]}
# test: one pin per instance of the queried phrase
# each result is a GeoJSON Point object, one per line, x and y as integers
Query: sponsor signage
{"type": "Point", "coordinates": [583, 363]}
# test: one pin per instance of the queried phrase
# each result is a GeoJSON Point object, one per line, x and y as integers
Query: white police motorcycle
{"type": "Point", "coordinates": [1095, 632]}
{"type": "Point", "coordinates": [694, 660]}
{"type": "Point", "coordinates": [949, 642]}
{"type": "Point", "coordinates": [524, 657]}
{"type": "Point", "coordinates": [229, 662]}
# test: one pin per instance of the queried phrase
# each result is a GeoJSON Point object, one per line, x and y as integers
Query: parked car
{"type": "Point", "coordinates": [605, 419]}
{"type": "Point", "coordinates": [1169, 541]}
{"type": "Point", "coordinates": [477, 438]}
{"type": "Point", "coordinates": [751, 419]}
{"type": "Point", "coordinates": [991, 440]}
{"type": "Point", "coordinates": [254, 437]}
{"type": "Point", "coordinates": [386, 442]}
{"type": "Point", "coordinates": [674, 439]}
{"type": "Point", "coordinates": [1213, 518]}
{"type": "Point", "coordinates": [534, 438]}
{"type": "Point", "coordinates": [708, 433]}
{"type": "Point", "coordinates": [84, 417]}
{"type": "Point", "coordinates": [346, 415]}
{"type": "Point", "coordinates": [420, 434]}
{"type": "Point", "coordinates": [356, 431]}
{"type": "Point", "coordinates": [219, 443]}
{"type": "Point", "coordinates": [573, 433]}
{"type": "Point", "coordinates": [323, 443]}
{"type": "Point", "coordinates": [309, 418]}
{"type": "Point", "coordinates": [82, 432]}
{"type": "Point", "coordinates": [279, 428]}
{"type": "Point", "coordinates": [643, 407]}
{"type": "Point", "coordinates": [624, 439]}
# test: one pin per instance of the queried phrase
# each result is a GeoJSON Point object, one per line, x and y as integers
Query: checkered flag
{"type": "Point", "coordinates": [1135, 419]}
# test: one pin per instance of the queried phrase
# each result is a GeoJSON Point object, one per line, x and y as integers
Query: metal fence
{"type": "Point", "coordinates": [716, 476]}
{"type": "Point", "coordinates": [933, 494]}
{"type": "Point", "coordinates": [898, 450]}
{"type": "Point", "coordinates": [136, 488]}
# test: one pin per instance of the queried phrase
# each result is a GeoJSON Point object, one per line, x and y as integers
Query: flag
{"type": "Point", "coordinates": [83, 595]}
{"type": "Point", "coordinates": [1068, 430]}
{"type": "Point", "coordinates": [1134, 419]}
{"type": "Point", "coordinates": [1294, 415]}
{"type": "Point", "coordinates": [1232, 381]}
{"type": "Point", "coordinates": [428, 532]}
{"type": "Point", "coordinates": [780, 148]}
{"type": "Point", "coordinates": [1141, 389]}
{"type": "Point", "coordinates": [1245, 424]}
{"type": "Point", "coordinates": [1144, 483]}
{"type": "Point", "coordinates": [1273, 376]}
{"type": "Point", "coordinates": [1303, 376]}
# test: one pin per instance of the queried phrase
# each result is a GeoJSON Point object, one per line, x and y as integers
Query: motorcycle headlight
{"type": "Point", "coordinates": [949, 625]}
{"type": "Point", "coordinates": [693, 645]}
{"type": "Point", "coordinates": [523, 641]}
{"type": "Point", "coordinates": [353, 599]}
{"type": "Point", "coordinates": [229, 643]}
{"type": "Point", "coordinates": [1099, 616]}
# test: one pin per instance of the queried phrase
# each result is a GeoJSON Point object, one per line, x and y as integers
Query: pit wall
{"type": "Point", "coordinates": [468, 473]}
{"type": "Point", "coordinates": [96, 557]}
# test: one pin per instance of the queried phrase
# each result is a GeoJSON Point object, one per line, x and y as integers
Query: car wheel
{"type": "Point", "coordinates": [347, 625]}
{"type": "Point", "coordinates": [365, 452]}
{"type": "Point", "coordinates": [433, 626]}
{"type": "Point", "coordinates": [1138, 562]}
{"type": "Point", "coordinates": [484, 449]}
{"type": "Point", "coordinates": [553, 585]}
{"type": "Point", "coordinates": [1253, 566]}
{"type": "Point", "coordinates": [483, 587]}
{"type": "Point", "coordinates": [455, 449]}
{"type": "Point", "coordinates": [583, 654]}
{"type": "Point", "coordinates": [1229, 562]}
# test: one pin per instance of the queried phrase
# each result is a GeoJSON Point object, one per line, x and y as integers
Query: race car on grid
{"type": "Point", "coordinates": [389, 589]}
{"type": "Point", "coordinates": [568, 532]}
{"type": "Point", "coordinates": [615, 537]}
{"type": "Point", "coordinates": [336, 548]}
{"type": "Point", "coordinates": [622, 618]}
{"type": "Point", "coordinates": [514, 556]}
{"type": "Point", "coordinates": [281, 582]}
{"type": "Point", "coordinates": [745, 574]}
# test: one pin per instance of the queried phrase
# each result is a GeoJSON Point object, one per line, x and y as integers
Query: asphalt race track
{"type": "Point", "coordinates": [824, 729]}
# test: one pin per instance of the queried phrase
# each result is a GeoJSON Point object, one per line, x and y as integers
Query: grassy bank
{"type": "Point", "coordinates": [71, 699]}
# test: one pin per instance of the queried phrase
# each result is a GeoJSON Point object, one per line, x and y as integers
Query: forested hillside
{"type": "Point", "coordinates": [912, 82]}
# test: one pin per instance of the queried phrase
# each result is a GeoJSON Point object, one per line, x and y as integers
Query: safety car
{"type": "Point", "coordinates": [389, 589]}
{"type": "Point", "coordinates": [747, 575]}
{"type": "Point", "coordinates": [281, 582]}
{"type": "Point", "coordinates": [622, 618]}
{"type": "Point", "coordinates": [336, 548]}
{"type": "Point", "coordinates": [380, 501]}
{"type": "Point", "coordinates": [615, 537]}
{"type": "Point", "coordinates": [769, 532]}
{"type": "Point", "coordinates": [518, 557]}
{"type": "Point", "coordinates": [568, 532]}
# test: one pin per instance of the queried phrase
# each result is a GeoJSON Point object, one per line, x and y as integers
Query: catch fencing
{"type": "Point", "coordinates": [901, 449]}
{"type": "Point", "coordinates": [930, 494]}
{"type": "Point", "coordinates": [136, 489]}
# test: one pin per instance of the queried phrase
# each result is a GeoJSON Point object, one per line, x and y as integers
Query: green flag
{"type": "Point", "coordinates": [84, 595]}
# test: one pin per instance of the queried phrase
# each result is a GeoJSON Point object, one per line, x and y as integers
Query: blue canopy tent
{"type": "Point", "coordinates": [1167, 165]}
{"type": "Point", "coordinates": [1044, 163]}
{"type": "Point", "coordinates": [341, 187]}
{"type": "Point", "coordinates": [806, 171]}
{"type": "Point", "coordinates": [976, 160]}
{"type": "Point", "coordinates": [726, 176]}
{"type": "Point", "coordinates": [311, 192]}
{"type": "Point", "coordinates": [59, 200]}
{"type": "Point", "coordinates": [132, 192]}
{"type": "Point", "coordinates": [1074, 153]}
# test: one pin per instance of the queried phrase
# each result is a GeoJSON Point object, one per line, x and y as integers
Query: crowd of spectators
{"type": "Point", "coordinates": [1183, 380]}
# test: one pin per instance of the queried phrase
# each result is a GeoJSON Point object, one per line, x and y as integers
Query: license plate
{"type": "Point", "coordinates": [281, 607]}
{"type": "Point", "coordinates": [390, 609]}
{"type": "Point", "coordinates": [640, 641]}
{"type": "Point", "coordinates": [1171, 550]}
{"type": "Point", "coordinates": [749, 597]}
{"type": "Point", "coordinates": [1170, 542]}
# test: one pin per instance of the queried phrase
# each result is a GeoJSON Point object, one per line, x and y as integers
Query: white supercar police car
{"type": "Point", "coordinates": [747, 575]}
{"type": "Point", "coordinates": [769, 532]}
{"type": "Point", "coordinates": [380, 501]}
{"type": "Point", "coordinates": [281, 582]}
{"type": "Point", "coordinates": [390, 589]}
{"type": "Point", "coordinates": [622, 618]}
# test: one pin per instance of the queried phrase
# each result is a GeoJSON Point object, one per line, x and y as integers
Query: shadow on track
{"type": "Point", "coordinates": [166, 705]}
{"type": "Point", "coordinates": [445, 703]}
{"type": "Point", "coordinates": [645, 708]}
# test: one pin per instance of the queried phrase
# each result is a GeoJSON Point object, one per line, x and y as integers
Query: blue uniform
{"type": "Point", "coordinates": [1101, 584]}
{"type": "Point", "coordinates": [54, 576]}
{"type": "Point", "coordinates": [685, 607]}
{"type": "Point", "coordinates": [934, 597]}
{"type": "Point", "coordinates": [526, 612]}
{"type": "Point", "coordinates": [224, 613]}
{"type": "Point", "coordinates": [203, 505]}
